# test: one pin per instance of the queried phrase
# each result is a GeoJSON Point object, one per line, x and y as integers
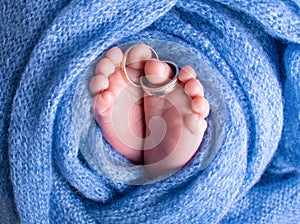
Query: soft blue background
{"type": "Point", "coordinates": [251, 47]}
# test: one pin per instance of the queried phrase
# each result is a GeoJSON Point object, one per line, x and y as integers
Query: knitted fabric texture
{"type": "Point", "coordinates": [251, 47]}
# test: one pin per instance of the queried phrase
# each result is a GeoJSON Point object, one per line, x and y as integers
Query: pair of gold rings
{"type": "Point", "coordinates": [148, 87]}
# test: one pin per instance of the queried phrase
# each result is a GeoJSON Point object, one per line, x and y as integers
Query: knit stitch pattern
{"type": "Point", "coordinates": [251, 47]}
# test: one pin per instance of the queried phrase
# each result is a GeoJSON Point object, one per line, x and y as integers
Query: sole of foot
{"type": "Point", "coordinates": [161, 132]}
{"type": "Point", "coordinates": [183, 112]}
{"type": "Point", "coordinates": [118, 106]}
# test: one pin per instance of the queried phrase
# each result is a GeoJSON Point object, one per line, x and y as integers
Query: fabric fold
{"type": "Point", "coordinates": [286, 159]}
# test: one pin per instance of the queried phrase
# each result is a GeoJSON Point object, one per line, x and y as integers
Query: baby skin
{"type": "Point", "coordinates": [160, 132]}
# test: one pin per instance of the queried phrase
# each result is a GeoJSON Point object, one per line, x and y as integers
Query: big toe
{"type": "Point", "coordinates": [135, 59]}
{"type": "Point", "coordinates": [158, 72]}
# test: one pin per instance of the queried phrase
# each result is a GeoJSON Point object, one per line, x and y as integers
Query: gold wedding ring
{"type": "Point", "coordinates": [124, 62]}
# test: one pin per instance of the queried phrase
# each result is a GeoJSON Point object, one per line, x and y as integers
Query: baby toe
{"type": "Point", "coordinates": [193, 88]}
{"type": "Point", "coordinates": [98, 83]}
{"type": "Point", "coordinates": [138, 55]}
{"type": "Point", "coordinates": [200, 106]}
{"type": "Point", "coordinates": [102, 102]}
{"type": "Point", "coordinates": [105, 66]}
{"type": "Point", "coordinates": [115, 55]}
{"type": "Point", "coordinates": [158, 72]}
{"type": "Point", "coordinates": [186, 73]}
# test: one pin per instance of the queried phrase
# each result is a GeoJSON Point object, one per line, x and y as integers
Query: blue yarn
{"type": "Point", "coordinates": [287, 156]}
{"type": "Point", "coordinates": [47, 47]}
{"type": "Point", "coordinates": [291, 128]}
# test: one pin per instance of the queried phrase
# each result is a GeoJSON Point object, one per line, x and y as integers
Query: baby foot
{"type": "Point", "coordinates": [118, 106]}
{"type": "Point", "coordinates": [126, 115]}
{"type": "Point", "coordinates": [183, 111]}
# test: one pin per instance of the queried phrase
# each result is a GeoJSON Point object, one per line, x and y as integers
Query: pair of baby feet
{"type": "Point", "coordinates": [160, 132]}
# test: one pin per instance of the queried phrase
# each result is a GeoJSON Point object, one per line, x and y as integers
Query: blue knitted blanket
{"type": "Point", "coordinates": [55, 166]}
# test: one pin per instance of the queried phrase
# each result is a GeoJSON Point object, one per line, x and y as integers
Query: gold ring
{"type": "Point", "coordinates": [124, 61]}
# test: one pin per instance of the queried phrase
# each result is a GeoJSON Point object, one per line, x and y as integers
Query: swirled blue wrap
{"type": "Point", "coordinates": [253, 47]}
